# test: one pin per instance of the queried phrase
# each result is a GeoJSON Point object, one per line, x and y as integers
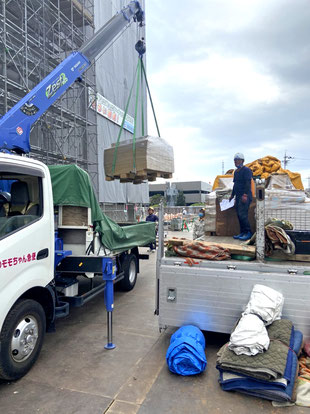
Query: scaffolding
{"type": "Point", "coordinates": [35, 36]}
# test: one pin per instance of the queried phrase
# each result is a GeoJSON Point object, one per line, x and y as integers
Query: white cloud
{"type": "Point", "coordinates": [229, 76]}
{"type": "Point", "coordinates": [237, 77]}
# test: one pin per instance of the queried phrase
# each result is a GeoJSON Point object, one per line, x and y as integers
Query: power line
{"type": "Point", "coordinates": [288, 158]}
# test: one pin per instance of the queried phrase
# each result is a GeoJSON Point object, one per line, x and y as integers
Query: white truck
{"type": "Point", "coordinates": [37, 279]}
{"type": "Point", "coordinates": [212, 295]}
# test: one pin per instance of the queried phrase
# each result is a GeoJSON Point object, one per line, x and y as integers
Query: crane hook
{"type": "Point", "coordinates": [140, 47]}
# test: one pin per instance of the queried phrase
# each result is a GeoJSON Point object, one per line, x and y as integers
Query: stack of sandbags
{"type": "Point", "coordinates": [264, 167]}
{"type": "Point", "coordinates": [153, 158]}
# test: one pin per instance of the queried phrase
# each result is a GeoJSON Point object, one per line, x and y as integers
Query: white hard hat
{"type": "Point", "coordinates": [239, 156]}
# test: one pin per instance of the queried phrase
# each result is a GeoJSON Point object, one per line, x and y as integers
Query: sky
{"type": "Point", "coordinates": [230, 76]}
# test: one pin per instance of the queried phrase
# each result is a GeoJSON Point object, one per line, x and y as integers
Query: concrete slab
{"type": "Point", "coordinates": [27, 396]}
{"type": "Point", "coordinates": [121, 407]}
{"type": "Point", "coordinates": [202, 394]}
{"type": "Point", "coordinates": [82, 364]}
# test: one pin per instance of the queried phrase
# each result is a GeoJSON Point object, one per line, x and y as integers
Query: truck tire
{"type": "Point", "coordinates": [21, 339]}
{"type": "Point", "coordinates": [130, 266]}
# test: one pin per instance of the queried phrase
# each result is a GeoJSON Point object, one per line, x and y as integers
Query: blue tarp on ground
{"type": "Point", "coordinates": [186, 353]}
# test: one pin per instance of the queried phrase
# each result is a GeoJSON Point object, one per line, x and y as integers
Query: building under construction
{"type": "Point", "coordinates": [35, 36]}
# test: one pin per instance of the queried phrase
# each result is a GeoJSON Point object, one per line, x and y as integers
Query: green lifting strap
{"type": "Point", "coordinates": [123, 121]}
{"type": "Point", "coordinates": [140, 73]}
{"type": "Point", "coordinates": [142, 101]}
{"type": "Point", "coordinates": [136, 116]}
{"type": "Point", "coordinates": [149, 92]}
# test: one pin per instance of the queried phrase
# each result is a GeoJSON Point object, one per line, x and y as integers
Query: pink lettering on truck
{"type": "Point", "coordinates": [13, 261]}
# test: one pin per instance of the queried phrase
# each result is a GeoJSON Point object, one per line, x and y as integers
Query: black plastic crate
{"type": "Point", "coordinates": [301, 239]}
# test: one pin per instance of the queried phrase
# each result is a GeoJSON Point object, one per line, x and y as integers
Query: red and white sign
{"type": "Point", "coordinates": [19, 130]}
{"type": "Point", "coordinates": [110, 111]}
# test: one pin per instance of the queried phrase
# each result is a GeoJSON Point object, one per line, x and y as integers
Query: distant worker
{"type": "Point", "coordinates": [199, 225]}
{"type": "Point", "coordinates": [153, 218]}
{"type": "Point", "coordinates": [243, 196]}
{"type": "Point", "coordinates": [184, 212]}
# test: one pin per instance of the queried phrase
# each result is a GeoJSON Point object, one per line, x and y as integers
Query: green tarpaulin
{"type": "Point", "coordinates": [72, 187]}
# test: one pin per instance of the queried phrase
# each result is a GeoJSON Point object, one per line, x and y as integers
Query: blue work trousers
{"type": "Point", "coordinates": [243, 213]}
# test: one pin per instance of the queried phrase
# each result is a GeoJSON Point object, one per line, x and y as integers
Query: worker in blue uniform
{"type": "Point", "coordinates": [152, 217]}
{"type": "Point", "coordinates": [243, 196]}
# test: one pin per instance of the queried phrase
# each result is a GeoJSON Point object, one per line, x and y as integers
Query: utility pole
{"type": "Point", "coordinates": [222, 167]}
{"type": "Point", "coordinates": [287, 158]}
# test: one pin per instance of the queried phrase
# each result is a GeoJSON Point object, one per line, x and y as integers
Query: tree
{"type": "Point", "coordinates": [180, 199]}
{"type": "Point", "coordinates": [156, 199]}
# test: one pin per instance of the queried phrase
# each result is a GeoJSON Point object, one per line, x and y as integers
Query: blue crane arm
{"type": "Point", "coordinates": [16, 124]}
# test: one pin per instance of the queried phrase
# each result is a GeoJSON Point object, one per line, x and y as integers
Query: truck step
{"type": "Point", "coordinates": [62, 310]}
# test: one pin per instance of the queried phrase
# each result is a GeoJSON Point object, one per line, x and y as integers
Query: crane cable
{"type": "Point", "coordinates": [140, 74]}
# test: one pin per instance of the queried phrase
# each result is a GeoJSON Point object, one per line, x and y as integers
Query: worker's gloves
{"type": "Point", "coordinates": [244, 198]}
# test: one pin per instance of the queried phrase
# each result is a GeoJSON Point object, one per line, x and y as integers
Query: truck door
{"type": "Point", "coordinates": [26, 230]}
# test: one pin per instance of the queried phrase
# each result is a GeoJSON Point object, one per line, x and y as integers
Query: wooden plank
{"type": "Point", "coordinates": [239, 249]}
{"type": "Point", "coordinates": [141, 172]}
{"type": "Point", "coordinates": [291, 257]}
{"type": "Point", "coordinates": [128, 175]}
{"type": "Point", "coordinates": [74, 216]}
{"type": "Point", "coordinates": [138, 178]}
{"type": "Point", "coordinates": [166, 175]}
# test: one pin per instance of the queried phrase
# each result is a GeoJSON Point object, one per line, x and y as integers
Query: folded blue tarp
{"type": "Point", "coordinates": [186, 353]}
{"type": "Point", "coordinates": [277, 390]}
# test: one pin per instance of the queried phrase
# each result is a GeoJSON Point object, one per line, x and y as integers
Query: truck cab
{"type": "Point", "coordinates": [26, 262]}
{"type": "Point", "coordinates": [28, 275]}
{"type": "Point", "coordinates": [43, 276]}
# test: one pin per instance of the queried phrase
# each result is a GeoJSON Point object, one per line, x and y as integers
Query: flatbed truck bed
{"type": "Point", "coordinates": [213, 294]}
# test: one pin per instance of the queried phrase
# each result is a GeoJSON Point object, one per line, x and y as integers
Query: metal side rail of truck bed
{"type": "Point", "coordinates": [212, 294]}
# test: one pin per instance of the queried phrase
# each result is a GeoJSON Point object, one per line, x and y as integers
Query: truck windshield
{"type": "Point", "coordinates": [20, 201]}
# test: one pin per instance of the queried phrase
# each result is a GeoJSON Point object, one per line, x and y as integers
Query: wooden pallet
{"type": "Point", "coordinates": [139, 176]}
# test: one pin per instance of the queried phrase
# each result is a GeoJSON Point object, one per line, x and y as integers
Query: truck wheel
{"type": "Point", "coordinates": [130, 273]}
{"type": "Point", "coordinates": [21, 339]}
